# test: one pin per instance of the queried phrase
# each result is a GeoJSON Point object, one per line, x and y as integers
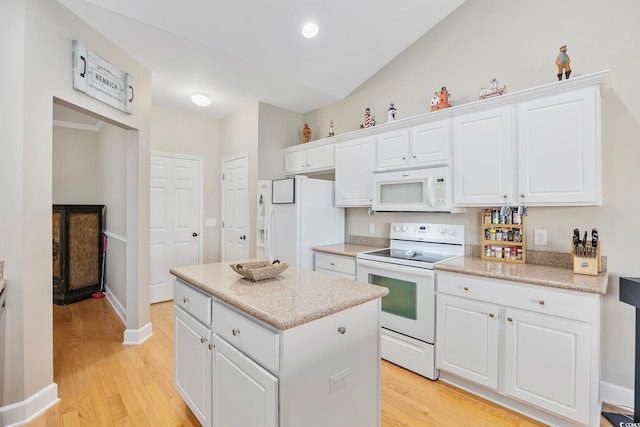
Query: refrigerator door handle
{"type": "Point", "coordinates": [267, 231]}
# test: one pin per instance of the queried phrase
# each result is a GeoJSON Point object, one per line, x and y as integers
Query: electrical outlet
{"type": "Point", "coordinates": [371, 228]}
{"type": "Point", "coordinates": [540, 237]}
{"type": "Point", "coordinates": [338, 380]}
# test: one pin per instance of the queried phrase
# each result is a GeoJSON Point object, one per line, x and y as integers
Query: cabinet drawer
{"type": "Point", "coordinates": [193, 301]}
{"type": "Point", "coordinates": [247, 335]}
{"type": "Point", "coordinates": [540, 299]}
{"type": "Point", "coordinates": [341, 264]}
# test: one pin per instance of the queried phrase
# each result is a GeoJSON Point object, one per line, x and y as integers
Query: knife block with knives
{"type": "Point", "coordinates": [585, 255]}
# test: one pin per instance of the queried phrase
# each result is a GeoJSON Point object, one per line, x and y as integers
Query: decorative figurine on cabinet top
{"type": "Point", "coordinates": [368, 119]}
{"type": "Point", "coordinates": [391, 113]}
{"type": "Point", "coordinates": [492, 90]}
{"type": "Point", "coordinates": [441, 100]}
{"type": "Point", "coordinates": [563, 62]}
{"type": "Point", "coordinates": [331, 128]}
{"type": "Point", "coordinates": [306, 134]}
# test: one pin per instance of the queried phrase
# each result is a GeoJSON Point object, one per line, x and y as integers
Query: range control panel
{"type": "Point", "coordinates": [423, 232]}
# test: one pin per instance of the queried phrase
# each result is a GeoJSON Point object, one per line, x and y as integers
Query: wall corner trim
{"type": "Point", "coordinates": [23, 412]}
{"type": "Point", "coordinates": [137, 336]}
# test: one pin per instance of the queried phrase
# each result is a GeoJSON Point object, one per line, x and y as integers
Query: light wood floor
{"type": "Point", "coordinates": [104, 383]}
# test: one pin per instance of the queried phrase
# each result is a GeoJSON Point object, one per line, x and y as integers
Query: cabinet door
{"type": "Point", "coordinates": [393, 149]}
{"type": "Point", "coordinates": [547, 363]}
{"type": "Point", "coordinates": [193, 365]}
{"type": "Point", "coordinates": [355, 161]}
{"type": "Point", "coordinates": [560, 149]}
{"type": "Point", "coordinates": [483, 166]}
{"type": "Point", "coordinates": [320, 158]}
{"type": "Point", "coordinates": [430, 142]}
{"type": "Point", "coordinates": [467, 339]}
{"type": "Point", "coordinates": [245, 395]}
{"type": "Point", "coordinates": [295, 162]}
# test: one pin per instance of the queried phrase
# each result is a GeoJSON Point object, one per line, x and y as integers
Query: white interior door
{"type": "Point", "coordinates": [176, 195]}
{"type": "Point", "coordinates": [235, 208]}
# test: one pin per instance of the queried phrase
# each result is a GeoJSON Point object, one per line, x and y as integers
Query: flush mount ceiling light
{"type": "Point", "coordinates": [310, 30]}
{"type": "Point", "coordinates": [200, 99]}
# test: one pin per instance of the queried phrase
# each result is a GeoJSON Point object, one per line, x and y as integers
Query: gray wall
{"type": "Point", "coordinates": [517, 42]}
{"type": "Point", "coordinates": [36, 35]}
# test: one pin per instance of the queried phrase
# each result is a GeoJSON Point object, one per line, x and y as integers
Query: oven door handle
{"type": "Point", "coordinates": [424, 272]}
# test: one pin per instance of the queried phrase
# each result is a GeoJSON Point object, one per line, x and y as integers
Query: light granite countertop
{"type": "Point", "coordinates": [345, 249]}
{"type": "Point", "coordinates": [290, 299]}
{"type": "Point", "coordinates": [533, 274]}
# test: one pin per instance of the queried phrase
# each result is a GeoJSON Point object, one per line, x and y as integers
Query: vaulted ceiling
{"type": "Point", "coordinates": [245, 51]}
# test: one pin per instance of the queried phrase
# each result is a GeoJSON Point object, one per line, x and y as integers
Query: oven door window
{"type": "Point", "coordinates": [402, 298]}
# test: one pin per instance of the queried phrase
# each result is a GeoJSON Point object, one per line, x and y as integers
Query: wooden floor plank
{"type": "Point", "coordinates": [102, 382]}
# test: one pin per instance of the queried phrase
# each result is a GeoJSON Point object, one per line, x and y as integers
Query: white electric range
{"type": "Point", "coordinates": [406, 269]}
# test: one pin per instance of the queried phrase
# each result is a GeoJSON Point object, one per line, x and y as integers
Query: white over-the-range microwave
{"type": "Point", "coordinates": [427, 189]}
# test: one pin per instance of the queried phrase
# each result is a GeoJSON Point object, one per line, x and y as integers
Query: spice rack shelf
{"type": "Point", "coordinates": [502, 239]}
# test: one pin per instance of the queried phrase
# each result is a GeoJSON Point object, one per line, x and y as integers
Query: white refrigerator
{"type": "Point", "coordinates": [301, 215]}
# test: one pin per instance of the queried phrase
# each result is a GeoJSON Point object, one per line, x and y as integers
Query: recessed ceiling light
{"type": "Point", "coordinates": [201, 100]}
{"type": "Point", "coordinates": [310, 30]}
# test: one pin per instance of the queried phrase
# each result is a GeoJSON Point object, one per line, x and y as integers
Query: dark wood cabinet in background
{"type": "Point", "coordinates": [77, 251]}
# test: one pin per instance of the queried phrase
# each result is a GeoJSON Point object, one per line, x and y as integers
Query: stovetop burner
{"type": "Point", "coordinates": [420, 245]}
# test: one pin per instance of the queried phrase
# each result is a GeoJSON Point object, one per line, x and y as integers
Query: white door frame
{"type": "Point", "coordinates": [237, 156]}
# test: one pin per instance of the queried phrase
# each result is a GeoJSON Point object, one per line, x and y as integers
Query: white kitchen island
{"type": "Point", "coordinates": [301, 349]}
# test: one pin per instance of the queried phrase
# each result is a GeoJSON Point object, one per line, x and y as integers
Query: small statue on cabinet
{"type": "Point", "coordinates": [441, 100]}
{"type": "Point", "coordinates": [331, 128]}
{"type": "Point", "coordinates": [369, 121]}
{"type": "Point", "coordinates": [306, 134]}
{"type": "Point", "coordinates": [492, 90]}
{"type": "Point", "coordinates": [563, 62]}
{"type": "Point", "coordinates": [391, 113]}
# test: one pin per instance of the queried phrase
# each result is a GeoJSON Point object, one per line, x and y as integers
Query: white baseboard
{"type": "Point", "coordinates": [117, 306]}
{"type": "Point", "coordinates": [137, 336]}
{"type": "Point", "coordinates": [616, 395]}
{"type": "Point", "coordinates": [23, 412]}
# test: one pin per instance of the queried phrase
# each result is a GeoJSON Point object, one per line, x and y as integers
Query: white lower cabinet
{"type": "Point", "coordinates": [467, 342]}
{"type": "Point", "coordinates": [244, 394]}
{"type": "Point", "coordinates": [193, 364]}
{"type": "Point", "coordinates": [537, 345]}
{"type": "Point", "coordinates": [547, 363]}
{"type": "Point", "coordinates": [338, 265]}
{"type": "Point", "coordinates": [241, 372]}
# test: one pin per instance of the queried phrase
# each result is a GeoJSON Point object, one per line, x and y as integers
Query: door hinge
{"type": "Point", "coordinates": [223, 177]}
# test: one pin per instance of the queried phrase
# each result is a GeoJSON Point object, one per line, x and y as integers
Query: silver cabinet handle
{"type": "Point", "coordinates": [235, 332]}
{"type": "Point", "coordinates": [203, 340]}
{"type": "Point", "coordinates": [185, 300]}
{"type": "Point", "coordinates": [211, 346]}
{"type": "Point", "coordinates": [342, 330]}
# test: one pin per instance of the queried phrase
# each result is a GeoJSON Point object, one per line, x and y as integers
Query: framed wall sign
{"type": "Point", "coordinates": [99, 79]}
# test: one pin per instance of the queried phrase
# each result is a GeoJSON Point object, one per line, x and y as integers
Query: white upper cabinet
{"type": "Point", "coordinates": [420, 145]}
{"type": "Point", "coordinates": [431, 142]}
{"type": "Point", "coordinates": [483, 164]}
{"type": "Point", "coordinates": [393, 149]}
{"type": "Point", "coordinates": [315, 159]}
{"type": "Point", "coordinates": [540, 146]}
{"type": "Point", "coordinates": [355, 161]}
{"type": "Point", "coordinates": [560, 149]}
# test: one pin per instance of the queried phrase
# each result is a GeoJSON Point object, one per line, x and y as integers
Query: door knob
{"type": "Point", "coordinates": [195, 234]}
